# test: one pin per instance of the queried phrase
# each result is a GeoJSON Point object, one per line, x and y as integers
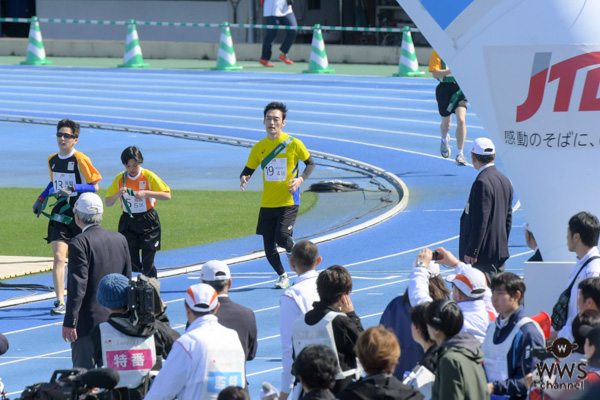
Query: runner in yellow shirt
{"type": "Point", "coordinates": [138, 189]}
{"type": "Point", "coordinates": [278, 155]}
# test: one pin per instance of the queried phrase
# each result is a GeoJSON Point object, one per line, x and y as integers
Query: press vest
{"type": "Point", "coordinates": [320, 333]}
{"type": "Point", "coordinates": [421, 379]}
{"type": "Point", "coordinates": [495, 355]}
{"type": "Point", "coordinates": [132, 357]}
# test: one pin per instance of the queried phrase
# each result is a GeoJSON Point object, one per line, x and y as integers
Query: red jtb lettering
{"type": "Point", "coordinates": [565, 71]}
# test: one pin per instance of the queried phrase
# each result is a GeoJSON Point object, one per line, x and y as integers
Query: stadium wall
{"type": "Point", "coordinates": [205, 51]}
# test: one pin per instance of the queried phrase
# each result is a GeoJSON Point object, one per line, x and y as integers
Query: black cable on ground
{"type": "Point", "coordinates": [28, 287]}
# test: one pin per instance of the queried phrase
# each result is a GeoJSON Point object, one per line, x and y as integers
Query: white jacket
{"type": "Point", "coordinates": [204, 360]}
{"type": "Point", "coordinates": [276, 8]}
{"type": "Point", "coordinates": [297, 300]}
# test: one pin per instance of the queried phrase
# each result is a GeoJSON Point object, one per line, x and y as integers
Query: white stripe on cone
{"type": "Point", "coordinates": [131, 37]}
{"type": "Point", "coordinates": [413, 65]}
{"type": "Point", "coordinates": [37, 35]}
{"type": "Point", "coordinates": [318, 44]}
{"type": "Point", "coordinates": [40, 53]}
{"type": "Point", "coordinates": [322, 61]}
{"type": "Point", "coordinates": [226, 39]}
{"type": "Point", "coordinates": [229, 58]}
{"type": "Point", "coordinates": [132, 53]}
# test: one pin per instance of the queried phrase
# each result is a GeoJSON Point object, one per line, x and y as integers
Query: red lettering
{"type": "Point", "coordinates": [565, 71]}
{"type": "Point", "coordinates": [589, 99]}
{"type": "Point", "coordinates": [534, 97]}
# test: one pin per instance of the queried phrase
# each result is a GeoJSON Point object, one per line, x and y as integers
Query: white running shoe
{"type": "Point", "coordinates": [460, 159]}
{"type": "Point", "coordinates": [283, 282]}
{"type": "Point", "coordinates": [445, 149]}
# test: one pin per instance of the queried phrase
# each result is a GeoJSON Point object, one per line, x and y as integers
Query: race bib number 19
{"type": "Point", "coordinates": [276, 170]}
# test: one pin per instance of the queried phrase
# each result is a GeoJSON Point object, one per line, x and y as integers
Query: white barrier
{"type": "Point", "coordinates": [544, 282]}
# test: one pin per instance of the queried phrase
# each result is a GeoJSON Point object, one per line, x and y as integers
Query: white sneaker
{"type": "Point", "coordinates": [460, 159]}
{"type": "Point", "coordinates": [283, 282]}
{"type": "Point", "coordinates": [445, 149]}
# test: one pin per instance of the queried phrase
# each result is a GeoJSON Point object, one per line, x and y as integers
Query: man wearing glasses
{"type": "Point", "coordinates": [71, 173]}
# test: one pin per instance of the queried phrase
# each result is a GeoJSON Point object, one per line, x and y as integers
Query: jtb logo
{"type": "Point", "coordinates": [565, 71]}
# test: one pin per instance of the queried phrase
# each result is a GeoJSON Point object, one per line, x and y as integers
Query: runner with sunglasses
{"type": "Point", "coordinates": [71, 173]}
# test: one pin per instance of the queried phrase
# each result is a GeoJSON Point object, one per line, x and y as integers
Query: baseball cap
{"type": "Point", "coordinates": [113, 291]}
{"type": "Point", "coordinates": [89, 203]}
{"type": "Point", "coordinates": [483, 146]}
{"type": "Point", "coordinates": [215, 270]}
{"type": "Point", "coordinates": [201, 298]}
{"type": "Point", "coordinates": [471, 282]}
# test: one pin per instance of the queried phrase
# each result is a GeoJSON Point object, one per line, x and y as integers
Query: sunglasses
{"type": "Point", "coordinates": [65, 135]}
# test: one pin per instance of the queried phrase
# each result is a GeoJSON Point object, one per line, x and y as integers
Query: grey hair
{"type": "Point", "coordinates": [90, 219]}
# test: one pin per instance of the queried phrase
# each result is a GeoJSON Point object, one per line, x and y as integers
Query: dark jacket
{"type": "Point", "coordinates": [93, 254]}
{"type": "Point", "coordinates": [429, 358]}
{"type": "Point", "coordinates": [536, 257]}
{"type": "Point", "coordinates": [346, 329]}
{"type": "Point", "coordinates": [242, 320]}
{"type": "Point", "coordinates": [520, 361]}
{"type": "Point", "coordinates": [319, 395]}
{"type": "Point", "coordinates": [459, 373]}
{"type": "Point", "coordinates": [164, 337]}
{"type": "Point", "coordinates": [397, 317]}
{"type": "Point", "coordinates": [379, 387]}
{"type": "Point", "coordinates": [486, 221]}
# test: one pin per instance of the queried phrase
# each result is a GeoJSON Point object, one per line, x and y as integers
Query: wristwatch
{"type": "Point", "coordinates": [420, 264]}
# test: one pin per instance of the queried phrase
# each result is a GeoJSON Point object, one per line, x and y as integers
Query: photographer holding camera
{"type": "Point", "coordinates": [132, 341]}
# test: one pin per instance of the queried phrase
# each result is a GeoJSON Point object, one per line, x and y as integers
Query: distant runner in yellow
{"type": "Point", "coordinates": [138, 189]}
{"type": "Point", "coordinates": [278, 155]}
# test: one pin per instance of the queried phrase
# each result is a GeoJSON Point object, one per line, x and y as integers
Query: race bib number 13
{"type": "Point", "coordinates": [276, 170]}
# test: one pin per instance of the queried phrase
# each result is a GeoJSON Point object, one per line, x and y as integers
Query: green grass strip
{"type": "Point", "coordinates": [190, 218]}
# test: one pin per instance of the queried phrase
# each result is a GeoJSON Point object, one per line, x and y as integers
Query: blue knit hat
{"type": "Point", "coordinates": [112, 291]}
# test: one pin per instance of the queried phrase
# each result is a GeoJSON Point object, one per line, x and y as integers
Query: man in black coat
{"type": "Point", "coordinates": [486, 221]}
{"type": "Point", "coordinates": [93, 254]}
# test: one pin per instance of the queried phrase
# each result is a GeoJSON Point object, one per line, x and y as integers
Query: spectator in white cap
{"type": "Point", "coordinates": [532, 244]}
{"type": "Point", "coordinates": [469, 290]}
{"type": "Point", "coordinates": [231, 315]}
{"type": "Point", "coordinates": [487, 218]}
{"type": "Point", "coordinates": [207, 358]}
{"type": "Point", "coordinates": [93, 254]}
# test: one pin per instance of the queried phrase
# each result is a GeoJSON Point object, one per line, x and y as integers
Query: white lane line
{"type": "Point", "coordinates": [449, 210]}
{"type": "Point", "coordinates": [195, 105]}
{"type": "Point", "coordinates": [34, 357]}
{"type": "Point", "coordinates": [250, 99]}
{"type": "Point", "coordinates": [268, 337]}
{"type": "Point", "coordinates": [255, 130]}
{"type": "Point", "coordinates": [160, 89]}
{"type": "Point", "coordinates": [35, 327]}
{"type": "Point", "coordinates": [265, 371]}
{"type": "Point", "coordinates": [403, 252]}
{"type": "Point", "coordinates": [193, 113]}
{"type": "Point", "coordinates": [250, 79]}
{"type": "Point", "coordinates": [375, 277]}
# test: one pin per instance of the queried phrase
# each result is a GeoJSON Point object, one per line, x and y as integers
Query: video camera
{"type": "Point", "coordinates": [74, 384]}
{"type": "Point", "coordinates": [141, 301]}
